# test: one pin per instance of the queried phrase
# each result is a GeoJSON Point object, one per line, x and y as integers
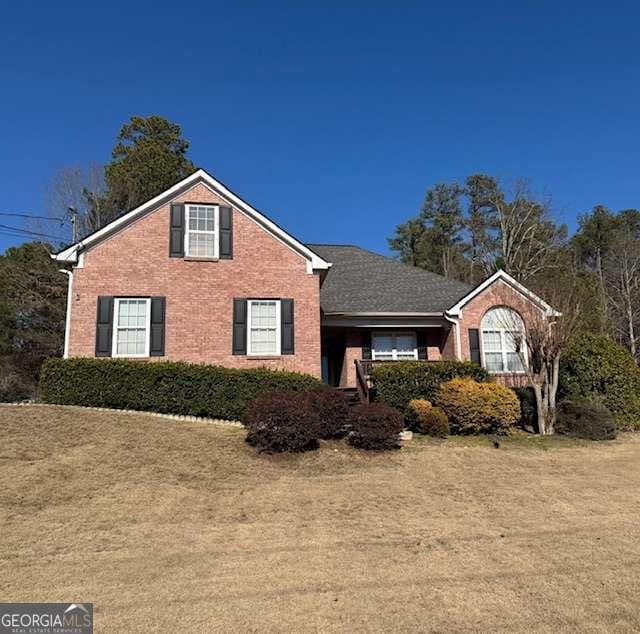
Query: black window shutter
{"type": "Point", "coordinates": [421, 340]}
{"type": "Point", "coordinates": [286, 326]}
{"type": "Point", "coordinates": [366, 344]}
{"type": "Point", "coordinates": [474, 345]}
{"type": "Point", "coordinates": [239, 345]}
{"type": "Point", "coordinates": [156, 337]}
{"type": "Point", "coordinates": [176, 231]}
{"type": "Point", "coordinates": [104, 327]}
{"type": "Point", "coordinates": [226, 233]}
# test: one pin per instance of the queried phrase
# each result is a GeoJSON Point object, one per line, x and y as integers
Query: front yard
{"type": "Point", "coordinates": [179, 526]}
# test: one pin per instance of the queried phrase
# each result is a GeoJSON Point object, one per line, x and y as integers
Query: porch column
{"type": "Point", "coordinates": [352, 351]}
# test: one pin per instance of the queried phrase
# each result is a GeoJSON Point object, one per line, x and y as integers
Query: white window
{"type": "Point", "coordinates": [394, 346]}
{"type": "Point", "coordinates": [263, 333]}
{"type": "Point", "coordinates": [201, 236]}
{"type": "Point", "coordinates": [501, 328]}
{"type": "Point", "coordinates": [131, 326]}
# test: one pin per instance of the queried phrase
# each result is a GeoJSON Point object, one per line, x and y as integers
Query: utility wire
{"type": "Point", "coordinates": [7, 213]}
{"type": "Point", "coordinates": [19, 231]}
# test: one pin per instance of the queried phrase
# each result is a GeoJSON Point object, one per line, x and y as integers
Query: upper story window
{"type": "Point", "coordinates": [131, 326]}
{"type": "Point", "coordinates": [201, 235]}
{"type": "Point", "coordinates": [263, 334]}
{"type": "Point", "coordinates": [394, 346]}
{"type": "Point", "coordinates": [501, 328]}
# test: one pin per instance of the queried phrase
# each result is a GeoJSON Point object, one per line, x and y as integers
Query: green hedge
{"type": "Point", "coordinates": [595, 366]}
{"type": "Point", "coordinates": [403, 381]}
{"type": "Point", "coordinates": [166, 387]}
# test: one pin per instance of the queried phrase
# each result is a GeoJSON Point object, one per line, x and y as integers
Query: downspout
{"type": "Point", "coordinates": [67, 323]}
{"type": "Point", "coordinates": [457, 342]}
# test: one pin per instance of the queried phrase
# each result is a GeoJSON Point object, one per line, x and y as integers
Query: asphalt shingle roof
{"type": "Point", "coordinates": [361, 281]}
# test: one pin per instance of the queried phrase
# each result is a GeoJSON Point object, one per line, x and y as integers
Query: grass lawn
{"type": "Point", "coordinates": [179, 526]}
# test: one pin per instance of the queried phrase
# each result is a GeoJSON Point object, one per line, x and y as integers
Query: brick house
{"type": "Point", "coordinates": [197, 274]}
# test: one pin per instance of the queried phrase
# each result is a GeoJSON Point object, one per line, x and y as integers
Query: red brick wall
{"type": "Point", "coordinates": [498, 294]}
{"type": "Point", "coordinates": [199, 294]}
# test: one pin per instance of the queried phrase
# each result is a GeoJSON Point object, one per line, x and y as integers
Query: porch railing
{"type": "Point", "coordinates": [362, 382]}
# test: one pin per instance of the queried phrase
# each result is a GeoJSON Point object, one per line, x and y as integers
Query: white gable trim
{"type": "Point", "coordinates": [456, 309]}
{"type": "Point", "coordinates": [70, 254]}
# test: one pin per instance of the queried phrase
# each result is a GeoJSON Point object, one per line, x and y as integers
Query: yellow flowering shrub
{"type": "Point", "coordinates": [478, 408]}
{"type": "Point", "coordinates": [427, 419]}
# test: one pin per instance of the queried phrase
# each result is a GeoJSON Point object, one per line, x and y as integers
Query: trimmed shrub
{"type": "Point", "coordinates": [282, 422]}
{"type": "Point", "coordinates": [528, 408]}
{"type": "Point", "coordinates": [424, 418]}
{"type": "Point", "coordinates": [478, 408]}
{"type": "Point", "coordinates": [165, 387]}
{"type": "Point", "coordinates": [15, 385]}
{"type": "Point", "coordinates": [597, 366]}
{"type": "Point", "coordinates": [582, 418]}
{"type": "Point", "coordinates": [332, 409]}
{"type": "Point", "coordinates": [376, 426]}
{"type": "Point", "coordinates": [403, 381]}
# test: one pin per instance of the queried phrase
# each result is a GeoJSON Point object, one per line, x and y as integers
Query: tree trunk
{"type": "Point", "coordinates": [541, 408]}
{"type": "Point", "coordinates": [603, 292]}
{"type": "Point", "coordinates": [628, 299]}
{"type": "Point", "coordinates": [545, 389]}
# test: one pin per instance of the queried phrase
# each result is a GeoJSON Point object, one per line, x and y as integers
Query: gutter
{"type": "Point", "coordinates": [382, 314]}
{"type": "Point", "coordinates": [458, 342]}
{"type": "Point", "coordinates": [67, 322]}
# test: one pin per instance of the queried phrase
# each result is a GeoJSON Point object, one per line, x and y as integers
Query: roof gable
{"type": "Point", "coordinates": [501, 275]}
{"type": "Point", "coordinates": [70, 254]}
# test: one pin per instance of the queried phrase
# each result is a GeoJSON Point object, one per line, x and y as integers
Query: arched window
{"type": "Point", "coordinates": [500, 342]}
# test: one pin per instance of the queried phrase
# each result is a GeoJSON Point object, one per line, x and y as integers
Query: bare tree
{"type": "Point", "coordinates": [81, 189]}
{"type": "Point", "coordinates": [622, 287]}
{"type": "Point", "coordinates": [540, 346]}
{"type": "Point", "coordinates": [513, 230]}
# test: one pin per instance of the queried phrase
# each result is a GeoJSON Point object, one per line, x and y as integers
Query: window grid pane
{"type": "Point", "coordinates": [510, 341]}
{"type": "Point", "coordinates": [405, 346]}
{"type": "Point", "coordinates": [201, 237]}
{"type": "Point", "coordinates": [383, 346]}
{"type": "Point", "coordinates": [491, 341]}
{"type": "Point", "coordinates": [131, 327]}
{"type": "Point", "coordinates": [393, 346]}
{"type": "Point", "coordinates": [263, 331]}
{"type": "Point", "coordinates": [493, 361]}
{"type": "Point", "coordinates": [500, 349]}
{"type": "Point", "coordinates": [514, 363]}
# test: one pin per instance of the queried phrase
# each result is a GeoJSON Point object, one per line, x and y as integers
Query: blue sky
{"type": "Point", "coordinates": [332, 117]}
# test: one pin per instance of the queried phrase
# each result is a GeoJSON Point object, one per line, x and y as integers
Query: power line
{"type": "Point", "coordinates": [7, 213]}
{"type": "Point", "coordinates": [19, 231]}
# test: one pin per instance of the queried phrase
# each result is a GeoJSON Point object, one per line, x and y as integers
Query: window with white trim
{"type": "Point", "coordinates": [201, 234]}
{"type": "Point", "coordinates": [131, 326]}
{"type": "Point", "coordinates": [501, 328]}
{"type": "Point", "coordinates": [394, 346]}
{"type": "Point", "coordinates": [263, 332]}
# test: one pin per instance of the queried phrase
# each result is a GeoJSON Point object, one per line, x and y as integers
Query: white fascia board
{"type": "Point", "coordinates": [70, 254]}
{"type": "Point", "coordinates": [383, 314]}
{"type": "Point", "coordinates": [456, 309]}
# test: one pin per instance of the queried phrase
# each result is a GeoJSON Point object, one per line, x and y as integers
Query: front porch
{"type": "Point", "coordinates": [350, 352]}
{"type": "Point", "coordinates": [343, 346]}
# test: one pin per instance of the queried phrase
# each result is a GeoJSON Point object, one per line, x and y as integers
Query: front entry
{"type": "Point", "coordinates": [333, 348]}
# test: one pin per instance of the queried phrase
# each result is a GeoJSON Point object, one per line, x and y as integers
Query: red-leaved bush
{"type": "Point", "coordinates": [282, 421]}
{"type": "Point", "coordinates": [376, 426]}
{"type": "Point", "coordinates": [332, 409]}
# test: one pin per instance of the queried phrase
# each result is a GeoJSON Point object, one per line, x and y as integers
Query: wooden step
{"type": "Point", "coordinates": [353, 397]}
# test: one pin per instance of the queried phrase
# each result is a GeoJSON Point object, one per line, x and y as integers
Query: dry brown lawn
{"type": "Point", "coordinates": [179, 526]}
